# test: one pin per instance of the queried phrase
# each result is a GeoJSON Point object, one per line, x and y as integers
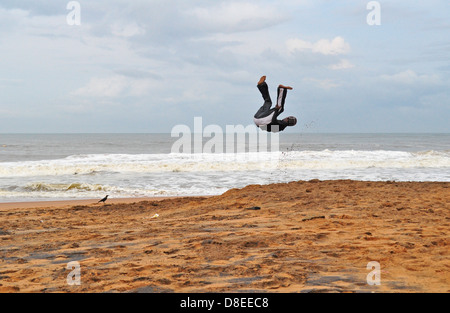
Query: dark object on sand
{"type": "Point", "coordinates": [312, 218]}
{"type": "Point", "coordinates": [254, 208]}
{"type": "Point", "coordinates": [103, 200]}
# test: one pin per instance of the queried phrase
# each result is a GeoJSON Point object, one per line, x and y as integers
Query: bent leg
{"type": "Point", "coordinates": [264, 110]}
{"type": "Point", "coordinates": [264, 89]}
{"type": "Point", "coordinates": [282, 93]}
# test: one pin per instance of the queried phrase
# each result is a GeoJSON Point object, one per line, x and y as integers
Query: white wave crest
{"type": "Point", "coordinates": [226, 162]}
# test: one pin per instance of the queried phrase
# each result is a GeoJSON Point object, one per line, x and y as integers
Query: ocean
{"type": "Point", "coordinates": [40, 167]}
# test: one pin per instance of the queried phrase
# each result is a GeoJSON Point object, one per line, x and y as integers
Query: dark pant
{"type": "Point", "coordinates": [265, 109]}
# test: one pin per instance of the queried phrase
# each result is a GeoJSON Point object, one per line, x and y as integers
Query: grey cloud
{"type": "Point", "coordinates": [203, 58]}
{"type": "Point", "coordinates": [42, 7]}
{"type": "Point", "coordinates": [136, 73]}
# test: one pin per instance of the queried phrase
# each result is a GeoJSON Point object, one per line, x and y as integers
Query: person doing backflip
{"type": "Point", "coordinates": [267, 118]}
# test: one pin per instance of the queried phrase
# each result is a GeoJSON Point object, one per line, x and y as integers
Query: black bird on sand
{"type": "Point", "coordinates": [103, 200]}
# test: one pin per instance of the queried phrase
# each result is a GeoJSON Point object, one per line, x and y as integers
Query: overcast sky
{"type": "Point", "coordinates": [146, 66]}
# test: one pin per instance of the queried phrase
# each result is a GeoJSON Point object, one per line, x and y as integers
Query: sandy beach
{"type": "Point", "coordinates": [305, 236]}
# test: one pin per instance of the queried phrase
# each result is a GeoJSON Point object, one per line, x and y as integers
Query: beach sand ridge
{"type": "Point", "coordinates": [305, 236]}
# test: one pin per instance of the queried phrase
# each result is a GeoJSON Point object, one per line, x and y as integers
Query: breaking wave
{"type": "Point", "coordinates": [155, 163]}
{"type": "Point", "coordinates": [43, 187]}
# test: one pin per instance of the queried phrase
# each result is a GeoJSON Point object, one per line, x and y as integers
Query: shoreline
{"type": "Point", "coordinates": [303, 236]}
{"type": "Point", "coordinates": [127, 200]}
{"type": "Point", "coordinates": [74, 202]}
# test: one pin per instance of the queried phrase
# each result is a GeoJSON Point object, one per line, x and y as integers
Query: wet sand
{"type": "Point", "coordinates": [306, 236]}
{"type": "Point", "coordinates": [70, 203]}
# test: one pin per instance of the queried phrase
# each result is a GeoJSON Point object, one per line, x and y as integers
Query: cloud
{"type": "Point", "coordinates": [102, 87]}
{"type": "Point", "coordinates": [336, 46]}
{"type": "Point", "coordinates": [138, 74]}
{"type": "Point", "coordinates": [114, 86]}
{"type": "Point", "coordinates": [342, 65]}
{"type": "Point", "coordinates": [323, 83]}
{"type": "Point", "coordinates": [203, 57]}
{"type": "Point", "coordinates": [128, 30]}
{"type": "Point", "coordinates": [10, 82]}
{"type": "Point", "coordinates": [18, 21]}
{"type": "Point", "coordinates": [410, 77]}
{"type": "Point", "coordinates": [229, 17]}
